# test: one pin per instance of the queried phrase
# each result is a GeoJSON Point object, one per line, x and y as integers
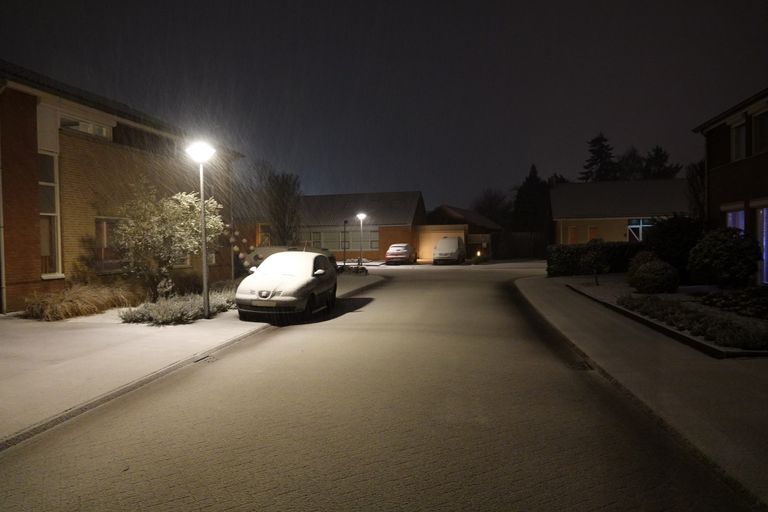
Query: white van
{"type": "Point", "coordinates": [449, 249]}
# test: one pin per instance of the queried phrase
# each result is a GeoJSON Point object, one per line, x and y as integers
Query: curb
{"type": "Point", "coordinates": [39, 428]}
{"type": "Point", "coordinates": [694, 450]}
{"type": "Point", "coordinates": [702, 346]}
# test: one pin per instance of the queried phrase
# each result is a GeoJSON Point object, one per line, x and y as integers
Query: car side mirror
{"type": "Point", "coordinates": [252, 270]}
{"type": "Point", "coordinates": [319, 272]}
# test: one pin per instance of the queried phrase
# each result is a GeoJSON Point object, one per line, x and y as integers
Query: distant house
{"type": "Point", "coordinates": [480, 230]}
{"type": "Point", "coordinates": [67, 159]}
{"type": "Point", "coordinates": [618, 211]}
{"type": "Point", "coordinates": [330, 222]}
{"type": "Point", "coordinates": [737, 169]}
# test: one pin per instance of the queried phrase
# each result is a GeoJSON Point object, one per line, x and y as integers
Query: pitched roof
{"type": "Point", "coordinates": [464, 216]}
{"type": "Point", "coordinates": [14, 73]}
{"type": "Point", "coordinates": [381, 208]}
{"type": "Point", "coordinates": [706, 125]}
{"type": "Point", "coordinates": [612, 199]}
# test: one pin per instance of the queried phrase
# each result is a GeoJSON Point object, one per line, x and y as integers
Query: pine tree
{"type": "Point", "coordinates": [657, 165]}
{"type": "Point", "coordinates": [600, 165]}
{"type": "Point", "coordinates": [531, 205]}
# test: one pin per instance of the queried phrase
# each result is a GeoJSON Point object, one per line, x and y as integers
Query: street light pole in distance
{"type": "Point", "coordinates": [361, 216]}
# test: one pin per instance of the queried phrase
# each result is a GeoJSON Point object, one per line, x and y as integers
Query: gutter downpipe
{"type": "Point", "coordinates": [3, 302]}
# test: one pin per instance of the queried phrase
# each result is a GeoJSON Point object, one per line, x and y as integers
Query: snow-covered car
{"type": "Point", "coordinates": [287, 283]}
{"type": "Point", "coordinates": [400, 253]}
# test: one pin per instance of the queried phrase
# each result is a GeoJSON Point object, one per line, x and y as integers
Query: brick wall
{"type": "Point", "coordinates": [18, 143]}
{"type": "Point", "coordinates": [96, 178]}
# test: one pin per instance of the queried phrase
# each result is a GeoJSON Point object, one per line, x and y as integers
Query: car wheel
{"type": "Point", "coordinates": [310, 307]}
{"type": "Point", "coordinates": [331, 299]}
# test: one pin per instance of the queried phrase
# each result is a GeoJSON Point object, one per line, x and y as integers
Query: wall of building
{"type": "Point", "coordinates": [21, 216]}
{"type": "Point", "coordinates": [610, 230]}
{"type": "Point", "coordinates": [737, 182]}
{"type": "Point", "coordinates": [96, 177]}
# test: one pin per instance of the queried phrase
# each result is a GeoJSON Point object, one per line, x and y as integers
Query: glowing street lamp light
{"type": "Point", "coordinates": [361, 216]}
{"type": "Point", "coordinates": [201, 152]}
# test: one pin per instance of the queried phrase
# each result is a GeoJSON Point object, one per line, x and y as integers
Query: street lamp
{"type": "Point", "coordinates": [344, 245]}
{"type": "Point", "coordinates": [201, 152]}
{"type": "Point", "coordinates": [361, 216]}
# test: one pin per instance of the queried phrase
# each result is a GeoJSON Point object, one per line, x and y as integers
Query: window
{"type": "Point", "coordinates": [316, 239]}
{"type": "Point", "coordinates": [373, 238]}
{"type": "Point", "coordinates": [107, 257]}
{"type": "Point", "coordinates": [760, 132]}
{"type": "Point", "coordinates": [735, 219]}
{"type": "Point", "coordinates": [592, 233]}
{"type": "Point", "coordinates": [88, 127]}
{"type": "Point", "coordinates": [48, 204]}
{"type": "Point", "coordinates": [762, 238]}
{"type": "Point", "coordinates": [637, 227]}
{"type": "Point", "coordinates": [739, 142]}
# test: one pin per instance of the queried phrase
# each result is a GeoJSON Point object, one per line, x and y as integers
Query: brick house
{"type": "Point", "coordinates": [67, 159]}
{"type": "Point", "coordinates": [614, 211]}
{"type": "Point", "coordinates": [737, 170]}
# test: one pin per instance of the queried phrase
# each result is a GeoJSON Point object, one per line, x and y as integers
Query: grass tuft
{"type": "Point", "coordinates": [78, 300]}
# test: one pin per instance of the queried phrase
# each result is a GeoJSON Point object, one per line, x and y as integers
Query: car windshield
{"type": "Point", "coordinates": [286, 264]}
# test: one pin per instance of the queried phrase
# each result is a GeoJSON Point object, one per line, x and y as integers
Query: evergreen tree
{"type": "Point", "coordinates": [631, 165]}
{"type": "Point", "coordinates": [531, 208]}
{"type": "Point", "coordinates": [600, 165]}
{"type": "Point", "coordinates": [657, 165]}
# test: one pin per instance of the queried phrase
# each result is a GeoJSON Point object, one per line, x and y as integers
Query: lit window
{"type": "Point", "coordinates": [739, 142]}
{"type": "Point", "coordinates": [48, 189]}
{"type": "Point", "coordinates": [760, 132]}
{"type": "Point", "coordinates": [637, 227]}
{"type": "Point", "coordinates": [735, 219]}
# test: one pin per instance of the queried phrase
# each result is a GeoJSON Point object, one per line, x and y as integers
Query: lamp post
{"type": "Point", "coordinates": [344, 245]}
{"type": "Point", "coordinates": [201, 152]}
{"type": "Point", "coordinates": [361, 216]}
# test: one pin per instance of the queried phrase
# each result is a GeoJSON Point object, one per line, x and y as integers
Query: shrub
{"type": "Point", "coordinates": [594, 259]}
{"type": "Point", "coordinates": [752, 301]}
{"type": "Point", "coordinates": [721, 331]}
{"type": "Point", "coordinates": [477, 260]}
{"type": "Point", "coordinates": [672, 239]}
{"type": "Point", "coordinates": [725, 257]}
{"type": "Point", "coordinates": [655, 276]}
{"type": "Point", "coordinates": [78, 300]}
{"type": "Point", "coordinates": [640, 259]}
{"type": "Point", "coordinates": [182, 309]}
{"type": "Point", "coordinates": [565, 260]}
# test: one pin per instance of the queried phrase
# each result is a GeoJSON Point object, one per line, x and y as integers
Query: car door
{"type": "Point", "coordinates": [325, 281]}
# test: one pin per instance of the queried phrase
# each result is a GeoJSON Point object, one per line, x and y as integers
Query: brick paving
{"type": "Point", "coordinates": [432, 392]}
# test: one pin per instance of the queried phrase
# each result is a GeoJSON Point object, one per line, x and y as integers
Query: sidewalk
{"type": "Point", "coordinates": [718, 405]}
{"type": "Point", "coordinates": [52, 371]}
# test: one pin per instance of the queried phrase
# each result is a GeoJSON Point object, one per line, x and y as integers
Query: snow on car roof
{"type": "Point", "coordinates": [289, 263]}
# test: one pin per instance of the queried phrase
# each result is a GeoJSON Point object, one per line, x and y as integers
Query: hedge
{"type": "Point", "coordinates": [565, 260]}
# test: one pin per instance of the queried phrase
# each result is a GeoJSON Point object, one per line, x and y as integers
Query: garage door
{"type": "Point", "coordinates": [429, 235]}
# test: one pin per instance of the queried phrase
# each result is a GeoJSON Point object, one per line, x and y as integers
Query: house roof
{"type": "Point", "coordinates": [706, 125]}
{"type": "Point", "coordinates": [463, 216]}
{"type": "Point", "coordinates": [381, 208]}
{"type": "Point", "coordinates": [612, 199]}
{"type": "Point", "coordinates": [10, 72]}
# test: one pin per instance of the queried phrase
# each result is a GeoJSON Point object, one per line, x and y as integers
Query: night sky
{"type": "Point", "coordinates": [444, 97]}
